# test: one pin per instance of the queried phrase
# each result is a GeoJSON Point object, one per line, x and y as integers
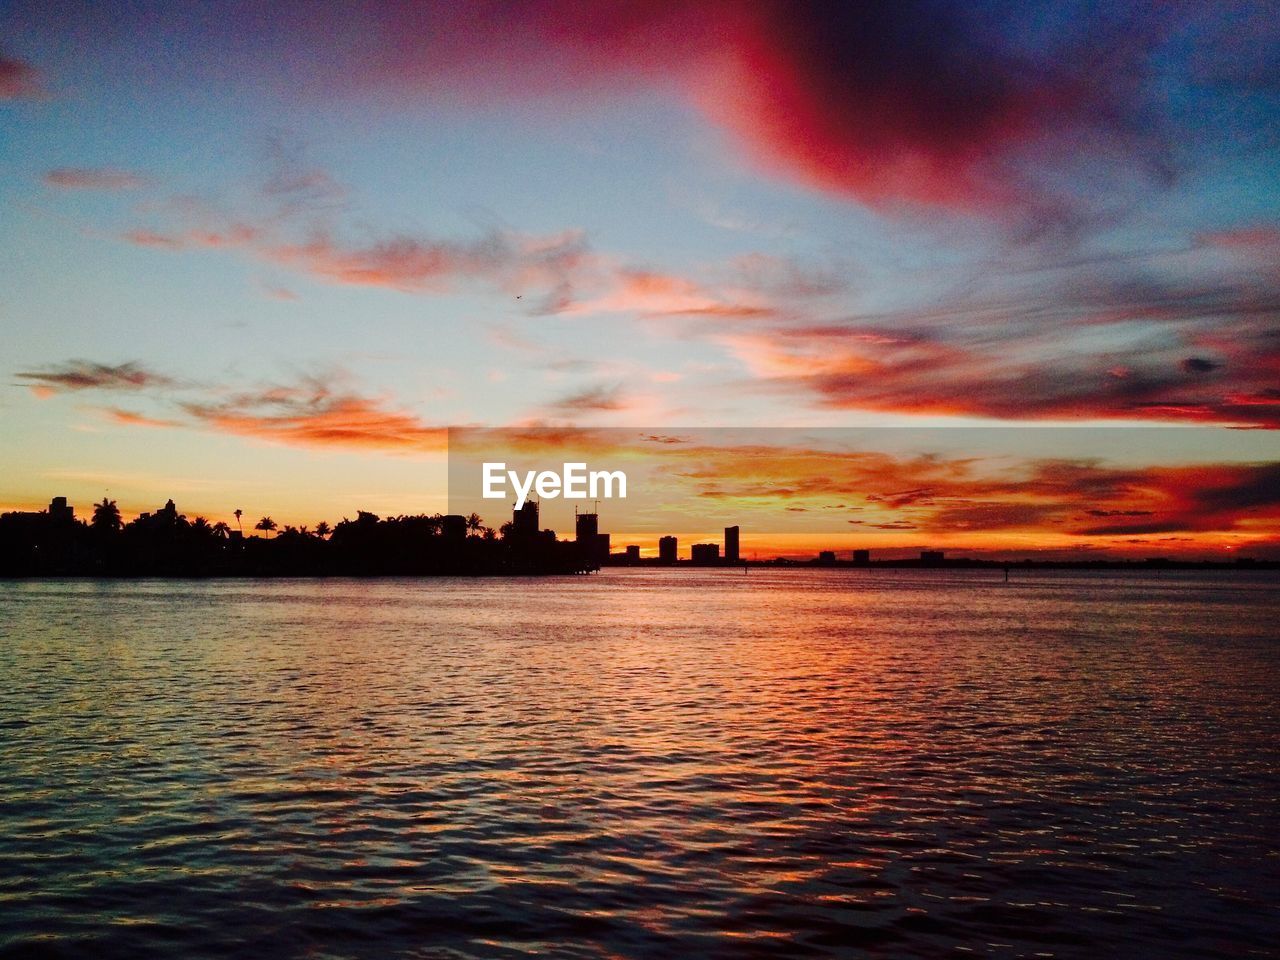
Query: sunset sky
{"type": "Point", "coordinates": [260, 255]}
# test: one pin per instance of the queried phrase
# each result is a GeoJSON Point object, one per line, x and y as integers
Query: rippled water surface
{"type": "Point", "coordinates": [636, 764]}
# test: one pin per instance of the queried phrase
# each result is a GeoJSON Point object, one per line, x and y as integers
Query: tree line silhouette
{"type": "Point", "coordinates": [166, 543]}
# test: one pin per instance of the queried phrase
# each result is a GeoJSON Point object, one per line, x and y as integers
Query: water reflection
{"type": "Point", "coordinates": [642, 763]}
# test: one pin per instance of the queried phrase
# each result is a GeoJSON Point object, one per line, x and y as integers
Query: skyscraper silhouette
{"type": "Point", "coordinates": [524, 521]}
{"type": "Point", "coordinates": [731, 544]}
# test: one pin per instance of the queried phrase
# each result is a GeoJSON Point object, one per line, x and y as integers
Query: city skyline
{"type": "Point", "coordinates": [598, 547]}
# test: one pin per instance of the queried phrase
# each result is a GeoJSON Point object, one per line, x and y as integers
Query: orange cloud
{"type": "Point", "coordinates": [654, 294]}
{"type": "Point", "coordinates": [130, 418]}
{"type": "Point", "coordinates": [312, 414]}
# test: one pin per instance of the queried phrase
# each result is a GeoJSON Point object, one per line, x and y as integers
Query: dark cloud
{"type": "Point", "coordinates": [598, 399]}
{"type": "Point", "coordinates": [1051, 355]}
{"type": "Point", "coordinates": [994, 515]}
{"type": "Point", "coordinates": [18, 79]}
{"type": "Point", "coordinates": [83, 375]}
{"type": "Point", "coordinates": [1198, 365]}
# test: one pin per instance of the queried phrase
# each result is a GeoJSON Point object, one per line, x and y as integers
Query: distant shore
{"type": "Point", "coordinates": [684, 567]}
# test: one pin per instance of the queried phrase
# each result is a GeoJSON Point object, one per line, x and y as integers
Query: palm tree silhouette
{"type": "Point", "coordinates": [323, 529]}
{"type": "Point", "coordinates": [106, 516]}
{"type": "Point", "coordinates": [221, 530]}
{"type": "Point", "coordinates": [239, 513]}
{"type": "Point", "coordinates": [266, 524]}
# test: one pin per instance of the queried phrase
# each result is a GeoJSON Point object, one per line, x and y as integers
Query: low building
{"type": "Point", "coordinates": [705, 554]}
{"type": "Point", "coordinates": [454, 527]}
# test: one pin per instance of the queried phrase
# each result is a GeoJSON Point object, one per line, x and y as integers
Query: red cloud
{"type": "Point", "coordinates": [919, 100]}
{"type": "Point", "coordinates": [1196, 499]}
{"type": "Point", "coordinates": [18, 79]}
{"type": "Point", "coordinates": [959, 374]}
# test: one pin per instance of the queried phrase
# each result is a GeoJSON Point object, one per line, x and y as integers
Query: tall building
{"type": "Point", "coordinates": [586, 526]}
{"type": "Point", "coordinates": [633, 553]}
{"type": "Point", "coordinates": [667, 547]}
{"type": "Point", "coordinates": [524, 521]}
{"type": "Point", "coordinates": [730, 544]}
{"type": "Point", "coordinates": [59, 512]}
{"type": "Point", "coordinates": [861, 557]}
{"type": "Point", "coordinates": [593, 544]}
{"type": "Point", "coordinates": [705, 554]}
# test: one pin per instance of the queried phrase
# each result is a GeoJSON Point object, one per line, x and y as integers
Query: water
{"type": "Point", "coordinates": [643, 764]}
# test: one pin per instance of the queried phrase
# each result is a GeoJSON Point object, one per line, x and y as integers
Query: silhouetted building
{"type": "Point", "coordinates": [705, 554]}
{"type": "Point", "coordinates": [166, 518]}
{"type": "Point", "coordinates": [524, 521]}
{"type": "Point", "coordinates": [58, 513]}
{"type": "Point", "coordinates": [586, 526]}
{"type": "Point", "coordinates": [827, 557]}
{"type": "Point", "coordinates": [931, 556]}
{"type": "Point", "coordinates": [730, 544]}
{"type": "Point", "coordinates": [453, 527]}
{"type": "Point", "coordinates": [667, 547]}
{"type": "Point", "coordinates": [861, 557]}
{"type": "Point", "coordinates": [633, 553]}
{"type": "Point", "coordinates": [593, 544]}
